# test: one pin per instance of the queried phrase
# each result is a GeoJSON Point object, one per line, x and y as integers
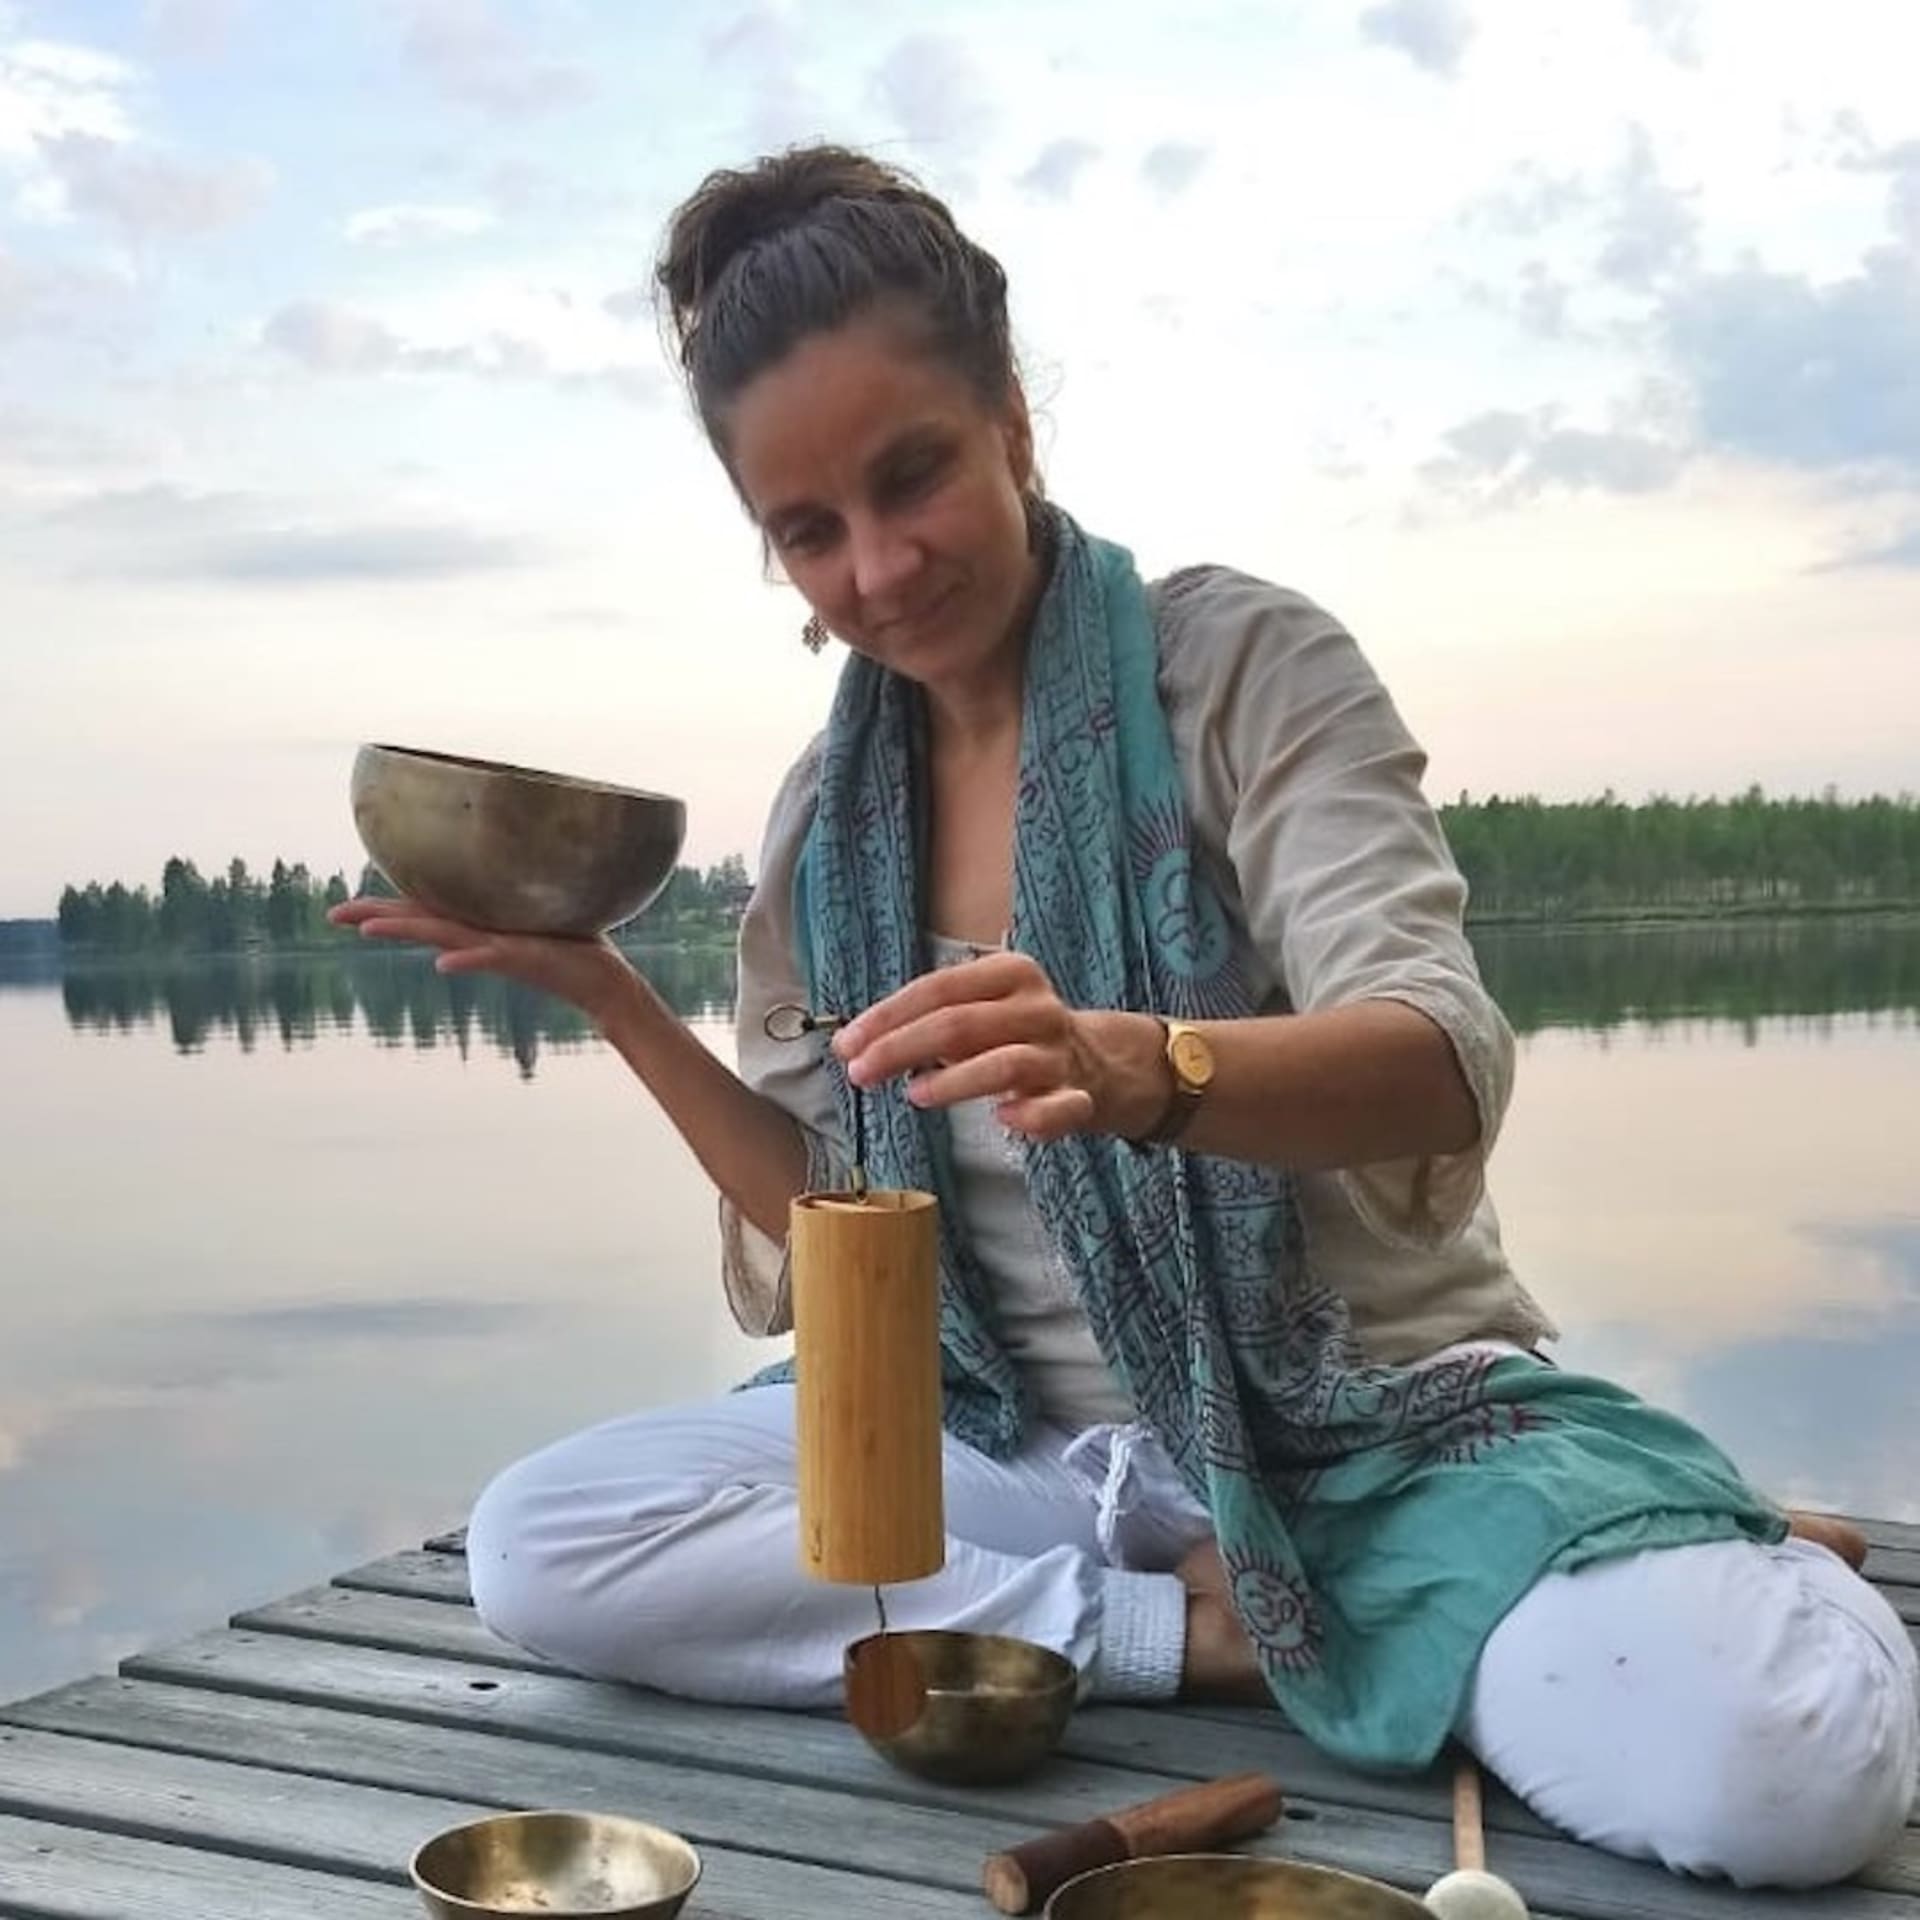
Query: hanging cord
{"type": "Point", "coordinates": [791, 1021]}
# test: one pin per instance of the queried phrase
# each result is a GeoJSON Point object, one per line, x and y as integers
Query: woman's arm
{"type": "Point", "coordinates": [1307, 788]}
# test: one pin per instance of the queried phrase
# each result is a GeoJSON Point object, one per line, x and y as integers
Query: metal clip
{"type": "Point", "coordinates": [791, 1021]}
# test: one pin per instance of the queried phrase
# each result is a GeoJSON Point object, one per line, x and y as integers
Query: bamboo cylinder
{"type": "Point", "coordinates": [866, 1327]}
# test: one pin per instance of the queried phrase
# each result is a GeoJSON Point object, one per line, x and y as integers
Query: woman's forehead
{"type": "Point", "coordinates": [834, 404]}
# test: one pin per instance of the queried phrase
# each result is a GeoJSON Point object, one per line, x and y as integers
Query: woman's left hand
{"type": "Point", "coordinates": [987, 1029]}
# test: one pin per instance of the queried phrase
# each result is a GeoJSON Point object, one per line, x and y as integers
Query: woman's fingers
{"type": "Point", "coordinates": [994, 976]}
{"type": "Point", "coordinates": [1004, 1073]}
{"type": "Point", "coordinates": [1049, 1116]}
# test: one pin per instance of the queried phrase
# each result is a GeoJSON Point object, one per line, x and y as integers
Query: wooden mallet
{"type": "Point", "coordinates": [1470, 1892]}
{"type": "Point", "coordinates": [1191, 1820]}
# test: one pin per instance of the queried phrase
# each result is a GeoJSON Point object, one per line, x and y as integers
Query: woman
{"type": "Point", "coordinates": [1156, 956]}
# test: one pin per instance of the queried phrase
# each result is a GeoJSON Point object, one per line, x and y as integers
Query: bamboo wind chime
{"type": "Point", "coordinates": [866, 1324]}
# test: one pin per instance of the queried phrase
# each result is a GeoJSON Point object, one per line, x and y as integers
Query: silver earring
{"type": "Point", "coordinates": [814, 635]}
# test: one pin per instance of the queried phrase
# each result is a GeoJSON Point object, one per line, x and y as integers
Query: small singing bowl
{"type": "Point", "coordinates": [1227, 1886]}
{"type": "Point", "coordinates": [556, 1865]}
{"type": "Point", "coordinates": [995, 1707]}
{"type": "Point", "coordinates": [513, 849]}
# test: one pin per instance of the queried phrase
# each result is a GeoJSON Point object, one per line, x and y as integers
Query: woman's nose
{"type": "Point", "coordinates": [884, 557]}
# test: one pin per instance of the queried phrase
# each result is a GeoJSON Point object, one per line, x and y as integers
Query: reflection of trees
{"type": "Point", "coordinates": [1713, 970]}
{"type": "Point", "coordinates": [1542, 977]}
{"type": "Point", "coordinates": [399, 997]}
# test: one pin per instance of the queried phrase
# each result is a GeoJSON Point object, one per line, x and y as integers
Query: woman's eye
{"type": "Point", "coordinates": [917, 476]}
{"type": "Point", "coordinates": [804, 536]}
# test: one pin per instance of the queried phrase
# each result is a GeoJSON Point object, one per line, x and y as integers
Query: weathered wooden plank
{"type": "Point", "coordinates": [454, 1540]}
{"type": "Point", "coordinates": [356, 1617]}
{"type": "Point", "coordinates": [1893, 1567]}
{"type": "Point", "coordinates": [421, 1575]}
{"type": "Point", "coordinates": [1903, 1534]}
{"type": "Point", "coordinates": [1158, 1740]}
{"type": "Point", "coordinates": [221, 1810]}
{"type": "Point", "coordinates": [1570, 1879]}
{"type": "Point", "coordinates": [54, 1872]}
{"type": "Point", "coordinates": [943, 1846]}
{"type": "Point", "coordinates": [328, 1825]}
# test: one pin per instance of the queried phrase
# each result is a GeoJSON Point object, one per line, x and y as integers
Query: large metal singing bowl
{"type": "Point", "coordinates": [995, 1707]}
{"type": "Point", "coordinates": [555, 1864]}
{"type": "Point", "coordinates": [1227, 1886]}
{"type": "Point", "coordinates": [512, 849]}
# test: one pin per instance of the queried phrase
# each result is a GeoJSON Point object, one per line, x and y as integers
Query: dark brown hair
{"type": "Point", "coordinates": [756, 259]}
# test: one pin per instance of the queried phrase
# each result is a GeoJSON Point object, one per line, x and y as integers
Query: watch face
{"type": "Point", "coordinates": [1192, 1058]}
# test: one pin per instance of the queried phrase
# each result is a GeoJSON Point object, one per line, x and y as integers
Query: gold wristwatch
{"type": "Point", "coordinates": [1190, 1058]}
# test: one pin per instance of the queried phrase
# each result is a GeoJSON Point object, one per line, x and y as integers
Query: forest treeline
{"type": "Point", "coordinates": [286, 908]}
{"type": "Point", "coordinates": [1602, 859]}
{"type": "Point", "coordinates": [1524, 859]}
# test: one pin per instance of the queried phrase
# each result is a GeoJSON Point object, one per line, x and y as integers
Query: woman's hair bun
{"type": "Point", "coordinates": [734, 208]}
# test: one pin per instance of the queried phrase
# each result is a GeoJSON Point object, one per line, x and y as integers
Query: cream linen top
{"type": "Point", "coordinates": [1307, 811]}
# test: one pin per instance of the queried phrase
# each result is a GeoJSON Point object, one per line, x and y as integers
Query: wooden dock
{"type": "Point", "coordinates": [285, 1767]}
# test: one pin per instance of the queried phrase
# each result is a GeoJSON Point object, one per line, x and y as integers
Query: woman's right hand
{"type": "Point", "coordinates": [590, 973]}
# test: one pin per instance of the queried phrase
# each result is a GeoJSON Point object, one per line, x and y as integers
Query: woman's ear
{"type": "Point", "coordinates": [1016, 430]}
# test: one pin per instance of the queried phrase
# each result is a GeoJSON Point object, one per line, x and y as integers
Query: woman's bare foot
{"type": "Point", "coordinates": [1219, 1662]}
{"type": "Point", "coordinates": [1834, 1534]}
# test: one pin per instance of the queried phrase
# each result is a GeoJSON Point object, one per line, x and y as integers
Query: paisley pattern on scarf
{"type": "Point", "coordinates": [1321, 1471]}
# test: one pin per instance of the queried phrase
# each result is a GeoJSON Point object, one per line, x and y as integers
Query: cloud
{"type": "Point", "coordinates": [630, 303]}
{"type": "Point", "coordinates": [193, 29]}
{"type": "Point", "coordinates": [50, 297]}
{"type": "Point", "coordinates": [1652, 230]}
{"type": "Point", "coordinates": [335, 340]}
{"type": "Point", "coordinates": [48, 89]}
{"type": "Point", "coordinates": [1822, 377]}
{"type": "Point", "coordinates": [1531, 203]}
{"type": "Point", "coordinates": [1173, 166]}
{"type": "Point", "coordinates": [1674, 27]}
{"type": "Point", "coordinates": [1059, 165]}
{"type": "Point", "coordinates": [164, 533]}
{"type": "Point", "coordinates": [476, 59]}
{"type": "Point", "coordinates": [762, 42]}
{"type": "Point", "coordinates": [1900, 554]}
{"type": "Point", "coordinates": [410, 224]}
{"type": "Point", "coordinates": [148, 196]}
{"type": "Point", "coordinates": [331, 339]}
{"type": "Point", "coordinates": [32, 440]}
{"type": "Point", "coordinates": [932, 86]}
{"type": "Point", "coordinates": [1502, 457]}
{"type": "Point", "coordinates": [1433, 34]}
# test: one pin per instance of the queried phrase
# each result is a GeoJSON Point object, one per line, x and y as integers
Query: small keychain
{"type": "Point", "coordinates": [791, 1021]}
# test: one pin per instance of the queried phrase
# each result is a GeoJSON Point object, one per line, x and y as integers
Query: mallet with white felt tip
{"type": "Point", "coordinates": [1470, 1892]}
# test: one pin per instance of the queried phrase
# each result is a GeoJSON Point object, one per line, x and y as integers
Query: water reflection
{"type": "Point", "coordinates": [1739, 970]}
{"type": "Point", "coordinates": [1543, 978]}
{"type": "Point", "coordinates": [397, 997]}
{"type": "Point", "coordinates": [283, 1299]}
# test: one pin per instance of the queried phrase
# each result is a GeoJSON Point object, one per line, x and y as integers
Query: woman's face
{"type": "Point", "coordinates": [892, 497]}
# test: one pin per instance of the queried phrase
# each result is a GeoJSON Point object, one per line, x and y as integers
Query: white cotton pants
{"type": "Point", "coordinates": [1727, 1709]}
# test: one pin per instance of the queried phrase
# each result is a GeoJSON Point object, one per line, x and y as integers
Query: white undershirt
{"type": "Point", "coordinates": [1041, 1322]}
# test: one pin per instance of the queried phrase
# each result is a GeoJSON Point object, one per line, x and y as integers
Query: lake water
{"type": "Point", "coordinates": [293, 1255]}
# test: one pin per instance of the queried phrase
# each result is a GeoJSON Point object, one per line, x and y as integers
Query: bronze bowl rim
{"type": "Point", "coordinates": [1115, 1869]}
{"type": "Point", "coordinates": [516, 1816]}
{"type": "Point", "coordinates": [468, 763]}
{"type": "Point", "coordinates": [1051, 1658]}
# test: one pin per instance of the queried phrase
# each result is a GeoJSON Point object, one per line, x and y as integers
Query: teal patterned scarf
{"type": "Point", "coordinates": [1375, 1522]}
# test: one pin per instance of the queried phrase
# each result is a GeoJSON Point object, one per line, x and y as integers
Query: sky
{"type": "Point", "coordinates": [1570, 355]}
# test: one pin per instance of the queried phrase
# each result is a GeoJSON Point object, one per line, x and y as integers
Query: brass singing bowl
{"type": "Point", "coordinates": [1227, 1886]}
{"type": "Point", "coordinates": [995, 1707]}
{"type": "Point", "coordinates": [557, 1865]}
{"type": "Point", "coordinates": [513, 849]}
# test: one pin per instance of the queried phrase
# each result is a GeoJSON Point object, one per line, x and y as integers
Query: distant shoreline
{"type": "Point", "coordinates": [38, 939]}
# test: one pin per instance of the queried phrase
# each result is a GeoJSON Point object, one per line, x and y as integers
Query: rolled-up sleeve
{"type": "Point", "coordinates": [1348, 888]}
{"type": "Point", "coordinates": [753, 1264]}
